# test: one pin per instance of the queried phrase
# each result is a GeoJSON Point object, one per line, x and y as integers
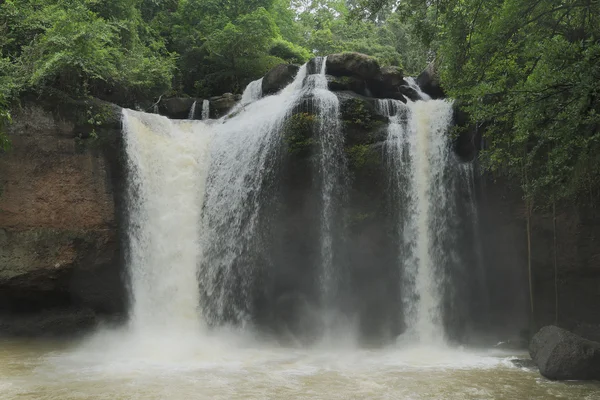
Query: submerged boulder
{"type": "Point", "coordinates": [563, 355]}
{"type": "Point", "coordinates": [353, 64]}
{"type": "Point", "coordinates": [278, 78]}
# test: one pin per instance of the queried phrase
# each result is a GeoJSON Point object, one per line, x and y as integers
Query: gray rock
{"type": "Point", "coordinates": [409, 92]}
{"type": "Point", "coordinates": [220, 105]}
{"type": "Point", "coordinates": [562, 355]}
{"type": "Point", "coordinates": [429, 82]}
{"type": "Point", "coordinates": [392, 76]}
{"type": "Point", "coordinates": [353, 64]}
{"type": "Point", "coordinates": [176, 107]}
{"type": "Point", "coordinates": [341, 83]}
{"type": "Point", "coordinates": [278, 78]}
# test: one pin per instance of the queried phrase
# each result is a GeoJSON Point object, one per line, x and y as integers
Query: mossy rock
{"type": "Point", "coordinates": [298, 133]}
{"type": "Point", "coordinates": [363, 157]}
{"type": "Point", "coordinates": [360, 112]}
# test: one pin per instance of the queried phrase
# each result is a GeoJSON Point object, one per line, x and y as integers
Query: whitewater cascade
{"type": "Point", "coordinates": [331, 172]}
{"type": "Point", "coordinates": [203, 198]}
{"type": "Point", "coordinates": [423, 165]}
{"type": "Point", "coordinates": [192, 111]}
{"type": "Point", "coordinates": [167, 162]}
{"type": "Point", "coordinates": [252, 93]}
{"type": "Point", "coordinates": [242, 167]}
{"type": "Point", "coordinates": [205, 109]}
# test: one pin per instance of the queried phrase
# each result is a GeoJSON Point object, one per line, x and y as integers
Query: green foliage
{"type": "Point", "coordinates": [354, 111]}
{"type": "Point", "coordinates": [5, 119]}
{"type": "Point", "coordinates": [298, 132]}
{"type": "Point", "coordinates": [361, 156]}
{"type": "Point", "coordinates": [132, 51]}
{"type": "Point", "coordinates": [529, 71]}
{"type": "Point", "coordinates": [289, 52]}
{"type": "Point", "coordinates": [82, 47]}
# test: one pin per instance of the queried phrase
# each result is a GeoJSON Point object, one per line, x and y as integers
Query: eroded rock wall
{"type": "Point", "coordinates": [59, 229]}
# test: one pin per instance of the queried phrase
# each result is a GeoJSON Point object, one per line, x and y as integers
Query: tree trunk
{"type": "Point", "coordinates": [529, 269]}
{"type": "Point", "coordinates": [555, 265]}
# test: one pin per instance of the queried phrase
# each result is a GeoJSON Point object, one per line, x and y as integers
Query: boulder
{"type": "Point", "coordinates": [278, 78]}
{"type": "Point", "coordinates": [220, 105]}
{"type": "Point", "coordinates": [177, 107]}
{"type": "Point", "coordinates": [353, 64]}
{"type": "Point", "coordinates": [392, 76]}
{"type": "Point", "coordinates": [341, 83]}
{"type": "Point", "coordinates": [562, 355]}
{"type": "Point", "coordinates": [429, 82]}
{"type": "Point", "coordinates": [409, 92]}
{"type": "Point", "coordinates": [387, 83]}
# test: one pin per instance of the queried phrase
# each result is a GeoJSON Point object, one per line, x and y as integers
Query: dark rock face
{"type": "Point", "coordinates": [562, 355]}
{"type": "Point", "coordinates": [347, 83]}
{"type": "Point", "coordinates": [278, 78]}
{"type": "Point", "coordinates": [429, 82]}
{"type": "Point", "coordinates": [353, 64]}
{"type": "Point", "coordinates": [220, 105]}
{"type": "Point", "coordinates": [588, 331]}
{"type": "Point", "coordinates": [59, 213]}
{"type": "Point", "coordinates": [177, 107]}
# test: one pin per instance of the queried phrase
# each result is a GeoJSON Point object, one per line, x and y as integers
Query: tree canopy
{"type": "Point", "coordinates": [528, 72]}
{"type": "Point", "coordinates": [133, 51]}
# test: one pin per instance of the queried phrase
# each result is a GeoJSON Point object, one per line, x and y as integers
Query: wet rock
{"type": "Point", "coordinates": [59, 322]}
{"type": "Point", "coordinates": [429, 82]}
{"type": "Point", "coordinates": [563, 355]}
{"type": "Point", "coordinates": [387, 83]}
{"type": "Point", "coordinates": [341, 83]}
{"type": "Point", "coordinates": [392, 76]}
{"type": "Point", "coordinates": [278, 78]}
{"type": "Point", "coordinates": [59, 242]}
{"type": "Point", "coordinates": [176, 107]}
{"type": "Point", "coordinates": [353, 64]}
{"type": "Point", "coordinates": [221, 105]}
{"type": "Point", "coordinates": [409, 92]}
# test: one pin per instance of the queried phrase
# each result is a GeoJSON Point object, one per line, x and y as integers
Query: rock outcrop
{"type": "Point", "coordinates": [177, 107]}
{"type": "Point", "coordinates": [278, 78]}
{"type": "Point", "coordinates": [59, 241]}
{"type": "Point", "coordinates": [353, 64]}
{"type": "Point", "coordinates": [562, 355]}
{"type": "Point", "coordinates": [429, 82]}
{"type": "Point", "coordinates": [221, 105]}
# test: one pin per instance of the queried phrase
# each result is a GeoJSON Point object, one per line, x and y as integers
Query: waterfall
{"type": "Point", "coordinates": [331, 172]}
{"type": "Point", "coordinates": [243, 153]}
{"type": "Point", "coordinates": [422, 162]}
{"type": "Point", "coordinates": [205, 109]}
{"type": "Point", "coordinates": [253, 92]}
{"type": "Point", "coordinates": [192, 111]}
{"type": "Point", "coordinates": [167, 162]}
{"type": "Point", "coordinates": [412, 83]}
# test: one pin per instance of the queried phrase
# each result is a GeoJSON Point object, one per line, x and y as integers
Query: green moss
{"type": "Point", "coordinates": [361, 156]}
{"type": "Point", "coordinates": [298, 132]}
{"type": "Point", "coordinates": [356, 112]}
